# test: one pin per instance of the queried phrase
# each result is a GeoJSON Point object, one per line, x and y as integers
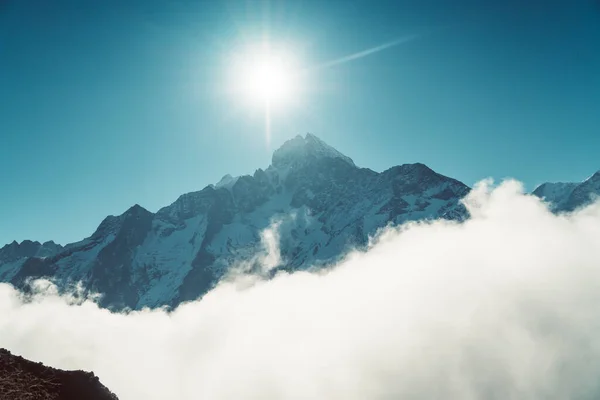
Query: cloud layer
{"type": "Point", "coordinates": [503, 306]}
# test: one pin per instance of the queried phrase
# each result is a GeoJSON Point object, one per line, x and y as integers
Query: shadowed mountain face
{"type": "Point", "coordinates": [27, 248]}
{"type": "Point", "coordinates": [21, 379]}
{"type": "Point", "coordinates": [322, 202]}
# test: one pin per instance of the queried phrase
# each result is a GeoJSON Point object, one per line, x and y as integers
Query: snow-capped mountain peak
{"type": "Point", "coordinates": [226, 181]}
{"type": "Point", "coordinates": [594, 178]}
{"type": "Point", "coordinates": [571, 195]}
{"type": "Point", "coordinates": [300, 150]}
{"type": "Point", "coordinates": [555, 193]}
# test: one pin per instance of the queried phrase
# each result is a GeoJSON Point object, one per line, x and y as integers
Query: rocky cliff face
{"type": "Point", "coordinates": [22, 379]}
{"type": "Point", "coordinates": [322, 202]}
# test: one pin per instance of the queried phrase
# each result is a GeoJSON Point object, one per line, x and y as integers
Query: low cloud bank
{"type": "Point", "coordinates": [503, 306]}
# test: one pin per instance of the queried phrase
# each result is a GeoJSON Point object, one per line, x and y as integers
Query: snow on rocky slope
{"type": "Point", "coordinates": [570, 196]}
{"type": "Point", "coordinates": [322, 202]}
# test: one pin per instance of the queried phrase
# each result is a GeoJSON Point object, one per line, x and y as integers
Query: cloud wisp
{"type": "Point", "coordinates": [362, 54]}
{"type": "Point", "coordinates": [503, 306]}
{"type": "Point", "coordinates": [367, 52]}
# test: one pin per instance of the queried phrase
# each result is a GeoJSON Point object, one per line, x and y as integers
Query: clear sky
{"type": "Point", "coordinates": [106, 103]}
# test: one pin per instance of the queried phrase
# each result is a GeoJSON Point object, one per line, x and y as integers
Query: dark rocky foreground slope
{"type": "Point", "coordinates": [21, 379]}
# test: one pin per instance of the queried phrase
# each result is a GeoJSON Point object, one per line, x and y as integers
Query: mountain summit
{"type": "Point", "coordinates": [324, 204]}
{"type": "Point", "coordinates": [305, 149]}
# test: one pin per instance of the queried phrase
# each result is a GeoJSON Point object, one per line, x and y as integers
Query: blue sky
{"type": "Point", "coordinates": [105, 104]}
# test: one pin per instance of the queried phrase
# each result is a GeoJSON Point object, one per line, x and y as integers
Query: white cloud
{"type": "Point", "coordinates": [503, 306]}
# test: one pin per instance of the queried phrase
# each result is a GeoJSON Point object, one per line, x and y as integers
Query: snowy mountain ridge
{"type": "Point", "coordinates": [570, 195]}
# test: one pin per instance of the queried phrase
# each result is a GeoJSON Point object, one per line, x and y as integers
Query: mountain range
{"type": "Point", "coordinates": [318, 203]}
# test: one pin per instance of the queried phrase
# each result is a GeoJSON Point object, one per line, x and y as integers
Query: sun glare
{"type": "Point", "coordinates": [265, 78]}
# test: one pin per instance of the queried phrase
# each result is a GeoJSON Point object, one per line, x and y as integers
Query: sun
{"type": "Point", "coordinates": [265, 77]}
{"type": "Point", "coordinates": [266, 80]}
